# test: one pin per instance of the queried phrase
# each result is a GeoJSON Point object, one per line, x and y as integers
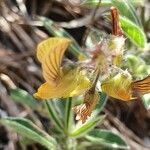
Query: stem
{"type": "Point", "coordinates": [54, 116]}
{"type": "Point", "coordinates": [70, 143]}
{"type": "Point", "coordinates": [68, 114]}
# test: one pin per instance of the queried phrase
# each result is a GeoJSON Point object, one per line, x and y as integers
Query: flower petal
{"type": "Point", "coordinates": [45, 91]}
{"type": "Point", "coordinates": [72, 84]}
{"type": "Point", "coordinates": [142, 86]}
{"type": "Point", "coordinates": [50, 53]}
{"type": "Point", "coordinates": [118, 87]}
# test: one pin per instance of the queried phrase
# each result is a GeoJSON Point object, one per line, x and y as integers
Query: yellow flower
{"type": "Point", "coordinates": [118, 86]}
{"type": "Point", "coordinates": [68, 79]}
{"type": "Point", "coordinates": [60, 81]}
{"type": "Point", "coordinates": [122, 87]}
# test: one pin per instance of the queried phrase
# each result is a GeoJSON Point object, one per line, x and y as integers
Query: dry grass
{"type": "Point", "coordinates": [19, 67]}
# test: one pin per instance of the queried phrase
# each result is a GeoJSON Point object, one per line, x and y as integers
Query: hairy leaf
{"type": "Point", "coordinates": [27, 129]}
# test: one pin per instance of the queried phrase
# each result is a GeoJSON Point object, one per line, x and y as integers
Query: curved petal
{"type": "Point", "coordinates": [118, 87]}
{"type": "Point", "coordinates": [72, 84]}
{"type": "Point", "coordinates": [43, 91]}
{"type": "Point", "coordinates": [50, 53]}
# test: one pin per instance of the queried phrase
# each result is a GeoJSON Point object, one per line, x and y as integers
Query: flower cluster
{"type": "Point", "coordinates": [72, 79]}
{"type": "Point", "coordinates": [67, 79]}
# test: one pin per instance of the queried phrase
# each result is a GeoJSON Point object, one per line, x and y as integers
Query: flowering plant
{"type": "Point", "coordinates": [89, 80]}
{"type": "Point", "coordinates": [69, 79]}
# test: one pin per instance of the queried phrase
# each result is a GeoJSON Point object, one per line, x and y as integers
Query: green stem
{"type": "Point", "coordinates": [53, 115]}
{"type": "Point", "coordinates": [70, 144]}
{"type": "Point", "coordinates": [68, 114]}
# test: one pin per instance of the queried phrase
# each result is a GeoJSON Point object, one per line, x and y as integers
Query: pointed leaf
{"type": "Point", "coordinates": [23, 97]}
{"type": "Point", "coordinates": [27, 129]}
{"type": "Point", "coordinates": [133, 32]}
{"type": "Point", "coordinates": [107, 139]}
{"type": "Point", "coordinates": [82, 129]}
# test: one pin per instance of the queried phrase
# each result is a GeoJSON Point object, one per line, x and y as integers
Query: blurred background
{"type": "Point", "coordinates": [24, 23]}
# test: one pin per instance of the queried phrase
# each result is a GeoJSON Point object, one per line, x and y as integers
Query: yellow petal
{"type": "Point", "coordinates": [72, 84]}
{"type": "Point", "coordinates": [47, 45]}
{"type": "Point", "coordinates": [118, 87]}
{"type": "Point", "coordinates": [82, 83]}
{"type": "Point", "coordinates": [45, 91]}
{"type": "Point", "coordinates": [50, 53]}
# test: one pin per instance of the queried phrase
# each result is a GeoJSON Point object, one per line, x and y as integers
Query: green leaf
{"type": "Point", "coordinates": [54, 115]}
{"type": "Point", "coordinates": [23, 97]}
{"type": "Point", "coordinates": [133, 32]}
{"type": "Point", "coordinates": [107, 139]}
{"type": "Point", "coordinates": [27, 129]}
{"type": "Point", "coordinates": [82, 129]}
{"type": "Point", "coordinates": [55, 30]}
{"type": "Point", "coordinates": [127, 10]}
{"type": "Point", "coordinates": [68, 114]}
{"type": "Point", "coordinates": [146, 100]}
